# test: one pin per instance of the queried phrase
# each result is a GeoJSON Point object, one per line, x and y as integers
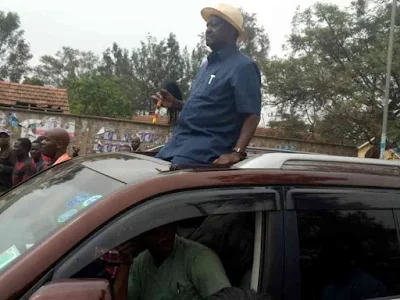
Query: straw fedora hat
{"type": "Point", "coordinates": [227, 12]}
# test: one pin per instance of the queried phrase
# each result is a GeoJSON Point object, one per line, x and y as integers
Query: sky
{"type": "Point", "coordinates": [93, 25]}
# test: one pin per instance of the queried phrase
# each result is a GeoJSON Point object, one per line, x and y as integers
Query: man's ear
{"type": "Point", "coordinates": [59, 145]}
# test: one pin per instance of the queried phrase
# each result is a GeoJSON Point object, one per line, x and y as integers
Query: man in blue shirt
{"type": "Point", "coordinates": [221, 115]}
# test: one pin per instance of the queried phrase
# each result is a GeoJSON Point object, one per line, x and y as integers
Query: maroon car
{"type": "Point", "coordinates": [288, 225]}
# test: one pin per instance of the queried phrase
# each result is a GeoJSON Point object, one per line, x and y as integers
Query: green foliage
{"type": "Point", "coordinates": [99, 96]}
{"type": "Point", "coordinates": [154, 63]}
{"type": "Point", "coordinates": [121, 82]}
{"type": "Point", "coordinates": [329, 86]}
{"type": "Point", "coordinates": [256, 44]}
{"type": "Point", "coordinates": [291, 126]}
{"type": "Point", "coordinates": [66, 65]}
{"type": "Point", "coordinates": [14, 50]}
{"type": "Point", "coordinates": [335, 73]}
{"type": "Point", "coordinates": [33, 81]}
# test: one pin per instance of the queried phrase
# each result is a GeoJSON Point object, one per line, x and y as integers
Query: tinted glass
{"type": "Point", "coordinates": [172, 208]}
{"type": "Point", "coordinates": [47, 202]}
{"type": "Point", "coordinates": [348, 254]}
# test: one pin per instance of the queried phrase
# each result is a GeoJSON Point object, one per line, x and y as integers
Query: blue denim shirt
{"type": "Point", "coordinates": [227, 88]}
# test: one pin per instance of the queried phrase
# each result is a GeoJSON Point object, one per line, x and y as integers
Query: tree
{"type": "Point", "coordinates": [154, 63]}
{"type": "Point", "coordinates": [116, 62]}
{"type": "Point", "coordinates": [335, 72]}
{"type": "Point", "coordinates": [256, 44]}
{"type": "Point", "coordinates": [33, 81]}
{"type": "Point", "coordinates": [67, 65]}
{"type": "Point", "coordinates": [291, 126]}
{"type": "Point", "coordinates": [99, 96]}
{"type": "Point", "coordinates": [14, 50]}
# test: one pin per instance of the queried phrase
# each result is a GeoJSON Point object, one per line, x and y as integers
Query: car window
{"type": "Point", "coordinates": [221, 219]}
{"type": "Point", "coordinates": [47, 202]}
{"type": "Point", "coordinates": [348, 254]}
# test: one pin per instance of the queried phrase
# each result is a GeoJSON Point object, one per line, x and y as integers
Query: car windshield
{"type": "Point", "coordinates": [47, 202]}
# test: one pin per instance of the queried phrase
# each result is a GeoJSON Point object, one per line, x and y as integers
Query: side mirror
{"type": "Point", "coordinates": [77, 289]}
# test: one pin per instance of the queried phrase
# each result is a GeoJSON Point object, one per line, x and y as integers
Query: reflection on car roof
{"type": "Point", "coordinates": [124, 167]}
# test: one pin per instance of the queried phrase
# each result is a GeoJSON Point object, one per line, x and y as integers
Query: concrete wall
{"type": "Point", "coordinates": [89, 133]}
{"type": "Point", "coordinates": [106, 134]}
{"type": "Point", "coordinates": [303, 146]}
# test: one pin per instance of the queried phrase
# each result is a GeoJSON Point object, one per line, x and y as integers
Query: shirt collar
{"type": "Point", "coordinates": [223, 53]}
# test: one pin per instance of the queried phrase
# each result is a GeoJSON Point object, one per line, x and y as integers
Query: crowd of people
{"type": "Point", "coordinates": [25, 158]}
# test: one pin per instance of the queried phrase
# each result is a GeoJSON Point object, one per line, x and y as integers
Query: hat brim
{"type": "Point", "coordinates": [207, 12]}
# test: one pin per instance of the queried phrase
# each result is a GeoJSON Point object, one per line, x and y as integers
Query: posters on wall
{"type": "Point", "coordinates": [8, 120]}
{"type": "Point", "coordinates": [33, 128]}
{"type": "Point", "coordinates": [109, 140]}
{"type": "Point", "coordinates": [3, 119]}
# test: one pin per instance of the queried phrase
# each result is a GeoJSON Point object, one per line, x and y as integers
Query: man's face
{"type": "Point", "coordinates": [160, 240]}
{"type": "Point", "coordinates": [49, 145]}
{"type": "Point", "coordinates": [4, 139]}
{"type": "Point", "coordinates": [217, 33]}
{"type": "Point", "coordinates": [36, 151]}
{"type": "Point", "coordinates": [135, 143]}
{"type": "Point", "coordinates": [18, 149]}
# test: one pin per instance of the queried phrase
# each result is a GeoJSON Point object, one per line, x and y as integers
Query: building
{"type": "Point", "coordinates": [32, 97]}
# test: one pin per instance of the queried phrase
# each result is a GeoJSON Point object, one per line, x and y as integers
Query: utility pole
{"type": "Point", "coordinates": [388, 75]}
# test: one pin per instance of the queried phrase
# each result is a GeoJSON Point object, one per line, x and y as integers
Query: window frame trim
{"type": "Point", "coordinates": [291, 231]}
{"type": "Point", "coordinates": [378, 203]}
{"type": "Point", "coordinates": [145, 206]}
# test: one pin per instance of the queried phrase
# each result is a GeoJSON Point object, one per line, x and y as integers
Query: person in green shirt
{"type": "Point", "coordinates": [171, 268]}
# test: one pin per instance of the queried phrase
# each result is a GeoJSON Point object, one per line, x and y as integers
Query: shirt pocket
{"type": "Point", "coordinates": [185, 291]}
{"type": "Point", "coordinates": [213, 83]}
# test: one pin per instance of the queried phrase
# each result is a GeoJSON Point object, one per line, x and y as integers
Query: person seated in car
{"type": "Point", "coordinates": [232, 238]}
{"type": "Point", "coordinates": [171, 267]}
{"type": "Point", "coordinates": [338, 258]}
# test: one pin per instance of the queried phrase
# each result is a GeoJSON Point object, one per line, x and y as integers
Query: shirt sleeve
{"type": "Point", "coordinates": [208, 274]}
{"type": "Point", "coordinates": [247, 89]}
{"type": "Point", "coordinates": [134, 281]}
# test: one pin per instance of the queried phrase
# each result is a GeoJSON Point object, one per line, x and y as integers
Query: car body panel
{"type": "Point", "coordinates": [34, 263]}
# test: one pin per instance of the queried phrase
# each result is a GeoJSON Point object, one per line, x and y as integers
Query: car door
{"type": "Point", "coordinates": [341, 242]}
{"type": "Point", "coordinates": [264, 203]}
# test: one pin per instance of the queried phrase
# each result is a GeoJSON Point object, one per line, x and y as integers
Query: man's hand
{"type": "Point", "coordinates": [167, 100]}
{"type": "Point", "coordinates": [126, 253]}
{"type": "Point", "coordinates": [228, 159]}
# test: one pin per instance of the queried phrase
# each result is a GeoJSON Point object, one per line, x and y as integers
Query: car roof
{"type": "Point", "coordinates": [319, 162]}
{"type": "Point", "coordinates": [133, 167]}
{"type": "Point", "coordinates": [124, 167]}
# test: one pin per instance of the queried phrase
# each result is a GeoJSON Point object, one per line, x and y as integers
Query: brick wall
{"type": "Point", "coordinates": [106, 134]}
